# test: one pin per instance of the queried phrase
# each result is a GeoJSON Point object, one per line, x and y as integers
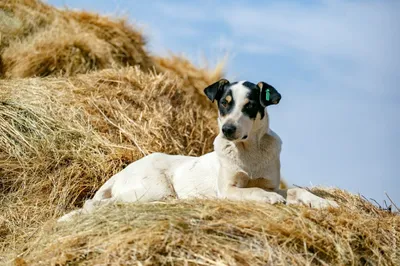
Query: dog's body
{"type": "Point", "coordinates": [245, 164]}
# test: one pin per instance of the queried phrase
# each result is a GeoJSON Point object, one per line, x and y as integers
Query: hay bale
{"type": "Point", "coordinates": [194, 79]}
{"type": "Point", "coordinates": [60, 139]}
{"type": "Point", "coordinates": [21, 18]}
{"type": "Point", "coordinates": [217, 232]}
{"type": "Point", "coordinates": [40, 40]}
{"type": "Point", "coordinates": [127, 44]}
{"type": "Point", "coordinates": [54, 51]}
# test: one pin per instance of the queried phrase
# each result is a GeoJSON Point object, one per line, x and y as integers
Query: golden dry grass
{"type": "Point", "coordinates": [80, 99]}
{"type": "Point", "coordinates": [216, 232]}
{"type": "Point", "coordinates": [62, 138]}
{"type": "Point", "coordinates": [39, 40]}
{"type": "Point", "coordinates": [194, 81]}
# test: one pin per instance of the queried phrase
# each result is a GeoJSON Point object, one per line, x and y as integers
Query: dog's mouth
{"type": "Point", "coordinates": [230, 138]}
{"type": "Point", "coordinates": [235, 139]}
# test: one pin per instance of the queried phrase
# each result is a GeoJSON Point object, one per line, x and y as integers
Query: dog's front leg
{"type": "Point", "coordinates": [232, 185]}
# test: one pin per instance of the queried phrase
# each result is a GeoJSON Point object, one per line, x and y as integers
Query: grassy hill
{"type": "Point", "coordinates": [81, 98]}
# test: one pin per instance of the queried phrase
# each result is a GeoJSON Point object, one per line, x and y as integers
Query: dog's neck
{"type": "Point", "coordinates": [260, 128]}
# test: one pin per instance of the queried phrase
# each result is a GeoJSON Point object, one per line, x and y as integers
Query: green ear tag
{"type": "Point", "coordinates": [267, 95]}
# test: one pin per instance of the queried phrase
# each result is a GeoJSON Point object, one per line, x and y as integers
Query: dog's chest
{"type": "Point", "coordinates": [257, 161]}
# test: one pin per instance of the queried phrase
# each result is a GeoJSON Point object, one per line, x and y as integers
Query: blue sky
{"type": "Point", "coordinates": [336, 64]}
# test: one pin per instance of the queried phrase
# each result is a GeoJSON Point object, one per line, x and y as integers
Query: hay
{"type": "Point", "coordinates": [21, 18]}
{"type": "Point", "coordinates": [194, 81]}
{"type": "Point", "coordinates": [222, 233]}
{"type": "Point", "coordinates": [39, 40]}
{"type": "Point", "coordinates": [62, 138]}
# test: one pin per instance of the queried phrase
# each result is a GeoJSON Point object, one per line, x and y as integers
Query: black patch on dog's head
{"type": "Point", "coordinates": [253, 106]}
{"type": "Point", "coordinates": [249, 85]}
{"type": "Point", "coordinates": [215, 90]}
{"type": "Point", "coordinates": [269, 95]}
{"type": "Point", "coordinates": [220, 91]}
{"type": "Point", "coordinates": [226, 103]}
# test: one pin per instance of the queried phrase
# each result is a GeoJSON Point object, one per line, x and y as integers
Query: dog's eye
{"type": "Point", "coordinates": [224, 104]}
{"type": "Point", "coordinates": [249, 106]}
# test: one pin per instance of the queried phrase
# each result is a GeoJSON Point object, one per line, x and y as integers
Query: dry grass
{"type": "Point", "coordinates": [62, 138]}
{"type": "Point", "coordinates": [222, 233]}
{"type": "Point", "coordinates": [39, 40]}
{"type": "Point", "coordinates": [80, 99]}
{"type": "Point", "coordinates": [194, 81]}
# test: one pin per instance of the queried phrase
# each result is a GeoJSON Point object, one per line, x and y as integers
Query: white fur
{"type": "Point", "coordinates": [238, 170]}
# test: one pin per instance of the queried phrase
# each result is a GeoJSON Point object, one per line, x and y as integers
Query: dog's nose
{"type": "Point", "coordinates": [228, 130]}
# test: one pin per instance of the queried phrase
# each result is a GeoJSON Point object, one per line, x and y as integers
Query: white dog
{"type": "Point", "coordinates": [244, 166]}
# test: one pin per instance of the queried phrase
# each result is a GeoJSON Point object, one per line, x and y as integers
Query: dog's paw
{"type": "Point", "coordinates": [270, 197]}
{"type": "Point", "coordinates": [302, 197]}
{"type": "Point", "coordinates": [69, 216]}
{"type": "Point", "coordinates": [314, 203]}
{"type": "Point", "coordinates": [327, 203]}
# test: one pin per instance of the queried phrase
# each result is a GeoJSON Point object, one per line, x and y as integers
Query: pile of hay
{"type": "Point", "coordinates": [81, 98]}
{"type": "Point", "coordinates": [39, 40]}
{"type": "Point", "coordinates": [222, 233]}
{"type": "Point", "coordinates": [61, 138]}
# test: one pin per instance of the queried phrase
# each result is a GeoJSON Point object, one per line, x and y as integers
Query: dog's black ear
{"type": "Point", "coordinates": [268, 94]}
{"type": "Point", "coordinates": [215, 90]}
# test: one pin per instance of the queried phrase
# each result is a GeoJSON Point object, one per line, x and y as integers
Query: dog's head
{"type": "Point", "coordinates": [242, 106]}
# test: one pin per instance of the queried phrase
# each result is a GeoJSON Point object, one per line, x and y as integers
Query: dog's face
{"type": "Point", "coordinates": [241, 106]}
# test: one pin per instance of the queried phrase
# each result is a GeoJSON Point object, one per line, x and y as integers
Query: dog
{"type": "Point", "coordinates": [245, 163]}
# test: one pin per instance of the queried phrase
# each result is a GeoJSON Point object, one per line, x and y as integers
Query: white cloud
{"type": "Point", "coordinates": [338, 28]}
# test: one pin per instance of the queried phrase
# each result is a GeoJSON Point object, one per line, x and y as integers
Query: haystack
{"type": "Point", "coordinates": [39, 40]}
{"type": "Point", "coordinates": [194, 81]}
{"type": "Point", "coordinates": [62, 138]}
{"type": "Point", "coordinates": [205, 232]}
